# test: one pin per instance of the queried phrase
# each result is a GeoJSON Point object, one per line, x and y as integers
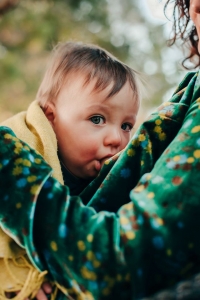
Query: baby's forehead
{"type": "Point", "coordinates": [86, 90]}
{"type": "Point", "coordinates": [101, 99]}
{"type": "Point", "coordinates": [102, 80]}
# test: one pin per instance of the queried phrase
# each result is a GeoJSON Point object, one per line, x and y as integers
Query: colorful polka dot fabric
{"type": "Point", "coordinates": [134, 230]}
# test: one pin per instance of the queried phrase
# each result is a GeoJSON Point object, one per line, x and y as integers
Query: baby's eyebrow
{"type": "Point", "coordinates": [97, 107]}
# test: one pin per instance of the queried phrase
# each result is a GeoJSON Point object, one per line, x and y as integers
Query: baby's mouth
{"type": "Point", "coordinates": [104, 159]}
{"type": "Point", "coordinates": [99, 163]}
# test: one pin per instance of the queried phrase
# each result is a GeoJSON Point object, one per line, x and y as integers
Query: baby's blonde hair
{"type": "Point", "coordinates": [90, 60]}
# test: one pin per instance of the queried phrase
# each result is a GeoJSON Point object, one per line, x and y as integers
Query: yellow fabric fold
{"type": "Point", "coordinates": [17, 274]}
{"type": "Point", "coordinates": [33, 128]}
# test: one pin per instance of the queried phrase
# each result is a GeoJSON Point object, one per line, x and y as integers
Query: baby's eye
{"type": "Point", "coordinates": [126, 127]}
{"type": "Point", "coordinates": [97, 120]}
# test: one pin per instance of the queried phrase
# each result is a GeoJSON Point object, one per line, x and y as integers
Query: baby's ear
{"type": "Point", "coordinates": [50, 113]}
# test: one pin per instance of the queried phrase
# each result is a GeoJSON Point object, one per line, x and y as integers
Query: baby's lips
{"type": "Point", "coordinates": [104, 159]}
{"type": "Point", "coordinates": [97, 165]}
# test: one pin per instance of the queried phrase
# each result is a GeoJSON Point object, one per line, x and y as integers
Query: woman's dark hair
{"type": "Point", "coordinates": [182, 30]}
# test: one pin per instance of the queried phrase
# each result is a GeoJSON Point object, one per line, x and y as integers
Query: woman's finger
{"type": "Point", "coordinates": [47, 288]}
{"type": "Point", "coordinates": [41, 295]}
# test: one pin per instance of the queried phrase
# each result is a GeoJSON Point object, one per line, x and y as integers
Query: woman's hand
{"type": "Point", "coordinates": [45, 290]}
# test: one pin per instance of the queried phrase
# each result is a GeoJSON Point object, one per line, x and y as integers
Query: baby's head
{"type": "Point", "coordinates": [91, 100]}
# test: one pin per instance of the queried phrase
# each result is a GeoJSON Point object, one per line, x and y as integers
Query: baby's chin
{"type": "Point", "coordinates": [93, 171]}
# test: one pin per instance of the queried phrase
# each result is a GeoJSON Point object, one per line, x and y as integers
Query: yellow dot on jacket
{"type": "Point", "coordinates": [158, 129]}
{"type": "Point", "coordinates": [131, 152]}
{"type": "Point", "coordinates": [26, 163]}
{"type": "Point", "coordinates": [148, 176]}
{"type": "Point", "coordinates": [190, 160]}
{"type": "Point", "coordinates": [149, 147]}
{"type": "Point", "coordinates": [34, 189]}
{"type": "Point", "coordinates": [197, 153]}
{"type": "Point", "coordinates": [90, 255]}
{"type": "Point", "coordinates": [139, 188]}
{"type": "Point", "coordinates": [128, 206]}
{"type": "Point", "coordinates": [142, 137]}
{"type": "Point", "coordinates": [195, 129]}
{"type": "Point", "coordinates": [151, 195]}
{"type": "Point", "coordinates": [162, 136]}
{"type": "Point", "coordinates": [17, 150]}
{"type": "Point", "coordinates": [31, 178]}
{"type": "Point", "coordinates": [167, 103]}
{"type": "Point", "coordinates": [96, 263]}
{"type": "Point", "coordinates": [17, 171]}
{"type": "Point", "coordinates": [169, 252]}
{"type": "Point", "coordinates": [176, 158]}
{"type": "Point", "coordinates": [38, 161]}
{"type": "Point", "coordinates": [19, 161]}
{"type": "Point", "coordinates": [135, 143]}
{"type": "Point", "coordinates": [130, 235]}
{"type": "Point", "coordinates": [54, 246]}
{"type": "Point", "coordinates": [18, 145]}
{"type": "Point", "coordinates": [81, 245]}
{"type": "Point", "coordinates": [158, 122]}
{"type": "Point", "coordinates": [107, 162]}
{"type": "Point", "coordinates": [18, 205]}
{"type": "Point", "coordinates": [106, 291]}
{"type": "Point", "coordinates": [160, 221]}
{"type": "Point", "coordinates": [124, 221]}
{"type": "Point", "coordinates": [119, 277]}
{"type": "Point", "coordinates": [88, 274]}
{"type": "Point", "coordinates": [8, 136]}
{"type": "Point", "coordinates": [90, 238]}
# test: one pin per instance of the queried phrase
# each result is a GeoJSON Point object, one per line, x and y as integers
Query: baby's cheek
{"type": "Point", "coordinates": [125, 141]}
{"type": "Point", "coordinates": [92, 150]}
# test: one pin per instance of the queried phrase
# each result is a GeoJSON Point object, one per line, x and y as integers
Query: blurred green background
{"type": "Point", "coordinates": [30, 29]}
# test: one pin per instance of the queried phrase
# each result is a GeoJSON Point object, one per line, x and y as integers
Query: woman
{"type": "Point", "coordinates": [185, 11]}
{"type": "Point", "coordinates": [131, 238]}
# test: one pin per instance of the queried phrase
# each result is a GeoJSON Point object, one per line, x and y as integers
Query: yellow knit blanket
{"type": "Point", "coordinates": [16, 271]}
{"type": "Point", "coordinates": [33, 128]}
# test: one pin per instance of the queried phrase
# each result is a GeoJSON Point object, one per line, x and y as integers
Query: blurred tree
{"type": "Point", "coordinates": [5, 5]}
{"type": "Point", "coordinates": [28, 32]}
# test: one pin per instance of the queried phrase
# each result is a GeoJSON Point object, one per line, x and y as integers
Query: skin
{"type": "Point", "coordinates": [90, 127]}
{"type": "Point", "coordinates": [41, 294]}
{"type": "Point", "coordinates": [45, 289]}
{"type": "Point", "coordinates": [195, 16]}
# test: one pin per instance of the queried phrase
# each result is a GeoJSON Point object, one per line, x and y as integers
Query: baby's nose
{"type": "Point", "coordinates": [113, 138]}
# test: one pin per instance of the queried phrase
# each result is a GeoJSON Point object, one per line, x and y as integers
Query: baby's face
{"type": "Point", "coordinates": [90, 128]}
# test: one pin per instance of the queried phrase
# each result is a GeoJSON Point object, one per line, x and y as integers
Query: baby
{"type": "Point", "coordinates": [84, 111]}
